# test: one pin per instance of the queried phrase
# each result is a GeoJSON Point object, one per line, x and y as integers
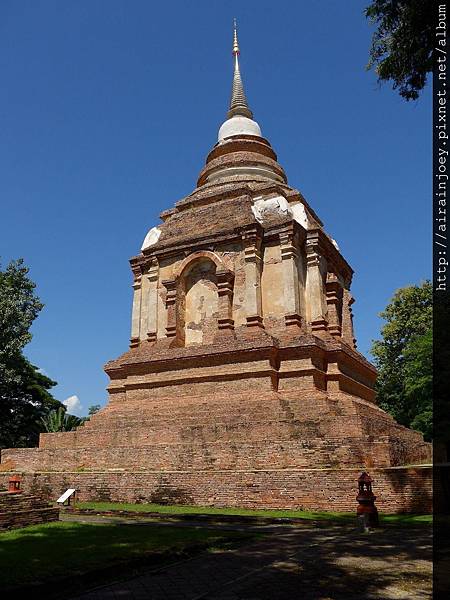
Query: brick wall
{"type": "Point", "coordinates": [397, 489]}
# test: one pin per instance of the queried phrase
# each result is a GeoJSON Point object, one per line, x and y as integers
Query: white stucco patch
{"type": "Point", "coordinates": [151, 238]}
{"type": "Point", "coordinates": [299, 212]}
{"type": "Point", "coordinates": [269, 206]}
{"type": "Point", "coordinates": [279, 205]}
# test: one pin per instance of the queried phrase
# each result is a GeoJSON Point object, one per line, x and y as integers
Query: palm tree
{"type": "Point", "coordinates": [59, 420]}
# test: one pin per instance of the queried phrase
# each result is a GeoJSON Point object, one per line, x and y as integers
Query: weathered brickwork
{"type": "Point", "coordinates": [397, 489]}
{"type": "Point", "coordinates": [245, 432]}
{"type": "Point", "coordinates": [272, 431]}
{"type": "Point", "coordinates": [23, 509]}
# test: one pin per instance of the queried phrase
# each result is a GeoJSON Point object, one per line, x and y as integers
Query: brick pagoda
{"type": "Point", "coordinates": [242, 385]}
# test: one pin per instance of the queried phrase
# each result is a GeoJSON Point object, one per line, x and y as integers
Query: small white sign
{"type": "Point", "coordinates": [66, 495]}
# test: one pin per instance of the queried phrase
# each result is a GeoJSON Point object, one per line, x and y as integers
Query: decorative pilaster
{"type": "Point", "coordinates": [136, 312]}
{"type": "Point", "coordinates": [225, 320]}
{"type": "Point", "coordinates": [348, 334]}
{"type": "Point", "coordinates": [314, 284]}
{"type": "Point", "coordinates": [152, 323]}
{"type": "Point", "coordinates": [334, 304]}
{"type": "Point", "coordinates": [291, 288]}
{"type": "Point", "coordinates": [171, 301]}
{"type": "Point", "coordinates": [253, 267]}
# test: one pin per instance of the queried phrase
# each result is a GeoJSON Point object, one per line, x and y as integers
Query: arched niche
{"type": "Point", "coordinates": [199, 301]}
{"type": "Point", "coordinates": [194, 257]}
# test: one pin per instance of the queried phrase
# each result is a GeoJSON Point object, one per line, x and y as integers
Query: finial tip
{"type": "Point", "coordinates": [235, 39]}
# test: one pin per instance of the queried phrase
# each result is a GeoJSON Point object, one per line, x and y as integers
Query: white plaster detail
{"type": "Point", "coordinates": [335, 244]}
{"type": "Point", "coordinates": [238, 125]}
{"type": "Point", "coordinates": [277, 205]}
{"type": "Point", "coordinates": [299, 213]}
{"type": "Point", "coordinates": [151, 238]}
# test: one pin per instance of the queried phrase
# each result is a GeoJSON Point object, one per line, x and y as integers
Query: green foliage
{"type": "Point", "coordinates": [418, 383]}
{"type": "Point", "coordinates": [19, 306]}
{"type": "Point", "coordinates": [59, 420]}
{"type": "Point", "coordinates": [402, 45]}
{"type": "Point", "coordinates": [24, 401]}
{"type": "Point", "coordinates": [24, 395]}
{"type": "Point", "coordinates": [404, 358]}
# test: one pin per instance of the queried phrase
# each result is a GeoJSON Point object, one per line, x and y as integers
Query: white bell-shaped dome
{"type": "Point", "coordinates": [239, 125]}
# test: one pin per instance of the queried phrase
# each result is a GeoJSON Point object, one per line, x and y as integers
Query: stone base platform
{"type": "Point", "coordinates": [21, 510]}
{"type": "Point", "coordinates": [296, 429]}
{"type": "Point", "coordinates": [257, 422]}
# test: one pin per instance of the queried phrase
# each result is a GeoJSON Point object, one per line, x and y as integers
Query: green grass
{"type": "Point", "coordinates": [407, 519]}
{"type": "Point", "coordinates": [41, 553]}
{"type": "Point", "coordinates": [209, 510]}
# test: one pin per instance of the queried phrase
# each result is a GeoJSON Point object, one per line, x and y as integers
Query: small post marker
{"type": "Point", "coordinates": [367, 512]}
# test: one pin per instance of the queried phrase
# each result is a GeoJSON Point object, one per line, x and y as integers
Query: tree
{"type": "Point", "coordinates": [418, 384]}
{"type": "Point", "coordinates": [24, 395]}
{"type": "Point", "coordinates": [93, 409]}
{"type": "Point", "coordinates": [19, 306]}
{"type": "Point", "coordinates": [402, 44]}
{"type": "Point", "coordinates": [404, 358]}
{"type": "Point", "coordinates": [59, 420]}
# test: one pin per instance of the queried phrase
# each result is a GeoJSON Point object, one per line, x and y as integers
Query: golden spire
{"type": "Point", "coordinates": [238, 103]}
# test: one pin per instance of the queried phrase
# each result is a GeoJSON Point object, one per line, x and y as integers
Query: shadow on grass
{"type": "Point", "coordinates": [42, 554]}
{"type": "Point", "coordinates": [207, 512]}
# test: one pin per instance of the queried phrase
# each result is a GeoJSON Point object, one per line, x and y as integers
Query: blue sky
{"type": "Point", "coordinates": [108, 110]}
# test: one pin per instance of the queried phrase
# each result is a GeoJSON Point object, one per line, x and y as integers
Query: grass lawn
{"type": "Point", "coordinates": [209, 510]}
{"type": "Point", "coordinates": [42, 553]}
